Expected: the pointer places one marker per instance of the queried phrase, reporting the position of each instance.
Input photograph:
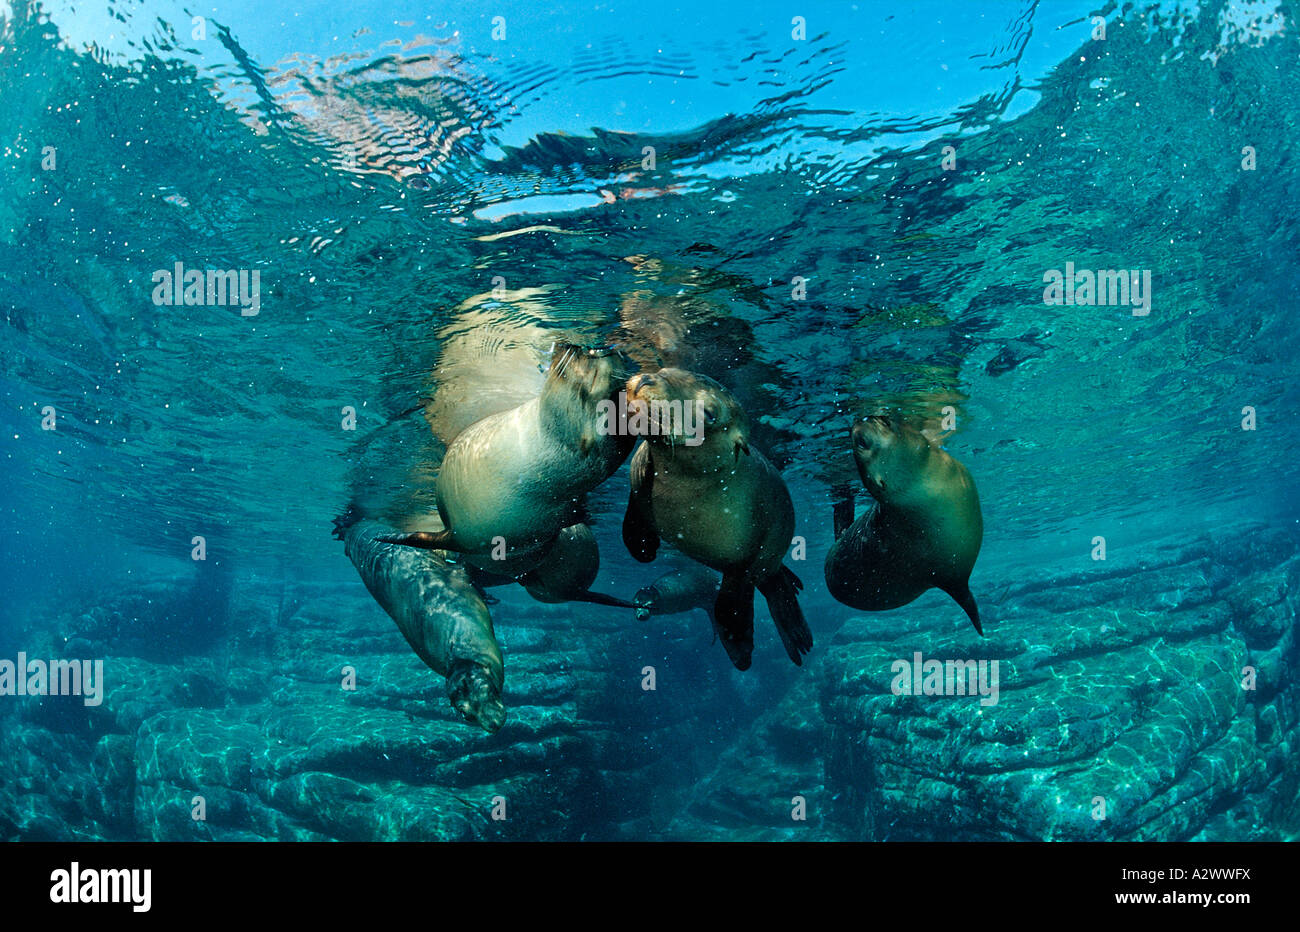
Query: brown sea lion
(699, 485)
(440, 613)
(511, 482)
(924, 529)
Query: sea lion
(440, 613)
(690, 587)
(565, 573)
(924, 529)
(718, 501)
(511, 482)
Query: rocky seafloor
(1120, 695)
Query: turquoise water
(413, 192)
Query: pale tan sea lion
(718, 501)
(511, 482)
(924, 529)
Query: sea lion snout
(644, 601)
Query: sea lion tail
(733, 619)
(781, 591)
(422, 539)
(961, 595)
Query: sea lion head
(691, 415)
(579, 379)
(475, 692)
(592, 373)
(892, 457)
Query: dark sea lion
(679, 591)
(718, 501)
(440, 613)
(511, 482)
(924, 529)
(565, 573)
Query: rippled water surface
(399, 177)
(428, 207)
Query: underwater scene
(606, 422)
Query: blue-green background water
(368, 159)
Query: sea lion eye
(710, 414)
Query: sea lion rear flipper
(599, 598)
(423, 539)
(781, 591)
(961, 595)
(733, 619)
(350, 516)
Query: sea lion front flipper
(733, 619)
(422, 539)
(842, 503)
(781, 591)
(640, 536)
(599, 598)
(961, 595)
(580, 513)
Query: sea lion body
(694, 586)
(719, 502)
(439, 612)
(510, 483)
(567, 571)
(923, 530)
